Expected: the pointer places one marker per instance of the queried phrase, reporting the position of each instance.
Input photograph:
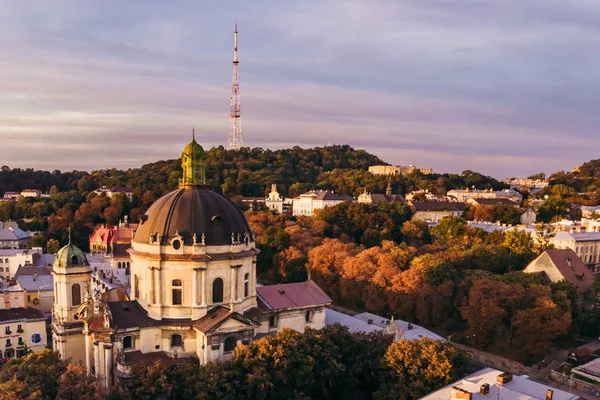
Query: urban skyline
(505, 89)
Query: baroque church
(194, 296)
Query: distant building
(397, 169)
(562, 264)
(590, 211)
(11, 196)
(306, 203)
(526, 183)
(14, 238)
(490, 383)
(467, 194)
(275, 202)
(585, 244)
(111, 191)
(388, 197)
(433, 211)
(528, 216)
(22, 329)
(12, 259)
(35, 193)
(498, 201)
(113, 242)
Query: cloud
(506, 88)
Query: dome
(71, 256)
(194, 150)
(193, 210)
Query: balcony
(20, 330)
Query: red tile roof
(292, 295)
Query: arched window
(177, 292)
(136, 284)
(75, 294)
(128, 342)
(176, 341)
(119, 265)
(74, 260)
(246, 285)
(217, 292)
(128, 264)
(230, 344)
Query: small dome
(190, 211)
(194, 150)
(71, 256)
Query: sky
(507, 88)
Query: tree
(76, 384)
(413, 368)
(520, 245)
(52, 246)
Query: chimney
(370, 321)
(504, 378)
(484, 389)
(549, 394)
(458, 393)
(410, 326)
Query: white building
(111, 191)
(35, 193)
(194, 295)
(490, 383)
(467, 194)
(434, 211)
(585, 244)
(21, 330)
(308, 202)
(38, 282)
(275, 202)
(12, 259)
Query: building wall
(435, 216)
(588, 251)
(12, 299)
(28, 329)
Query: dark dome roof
(190, 210)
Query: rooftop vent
(484, 389)
(459, 393)
(370, 321)
(504, 378)
(125, 307)
(410, 326)
(549, 394)
(281, 291)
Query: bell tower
(193, 163)
(72, 276)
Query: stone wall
(494, 361)
(574, 383)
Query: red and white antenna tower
(235, 120)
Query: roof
(411, 330)
(112, 234)
(33, 283)
(325, 195)
(217, 316)
(28, 270)
(567, 264)
(14, 252)
(71, 256)
(494, 202)
(11, 233)
(21, 313)
(383, 197)
(353, 324)
(193, 211)
(139, 358)
(519, 388)
(116, 189)
(292, 295)
(438, 205)
(578, 236)
(130, 314)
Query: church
(194, 296)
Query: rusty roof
(217, 316)
(292, 295)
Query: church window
(230, 344)
(176, 341)
(217, 292)
(176, 244)
(74, 260)
(177, 292)
(76, 294)
(246, 285)
(128, 342)
(136, 283)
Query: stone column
(97, 371)
(88, 352)
(158, 288)
(152, 287)
(253, 278)
(232, 296)
(195, 288)
(237, 283)
(108, 364)
(203, 287)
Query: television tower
(235, 121)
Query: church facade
(194, 294)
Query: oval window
(176, 244)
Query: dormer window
(74, 260)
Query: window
(119, 265)
(7, 330)
(217, 292)
(308, 317)
(176, 341)
(128, 342)
(8, 342)
(272, 322)
(177, 292)
(20, 343)
(246, 285)
(74, 260)
(9, 353)
(76, 294)
(230, 344)
(136, 283)
(19, 328)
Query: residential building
(491, 202)
(308, 202)
(35, 193)
(397, 169)
(556, 265)
(467, 194)
(112, 191)
(419, 195)
(22, 329)
(12, 295)
(14, 238)
(590, 212)
(490, 383)
(12, 259)
(39, 285)
(193, 288)
(528, 216)
(585, 244)
(433, 211)
(527, 184)
(11, 196)
(109, 245)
